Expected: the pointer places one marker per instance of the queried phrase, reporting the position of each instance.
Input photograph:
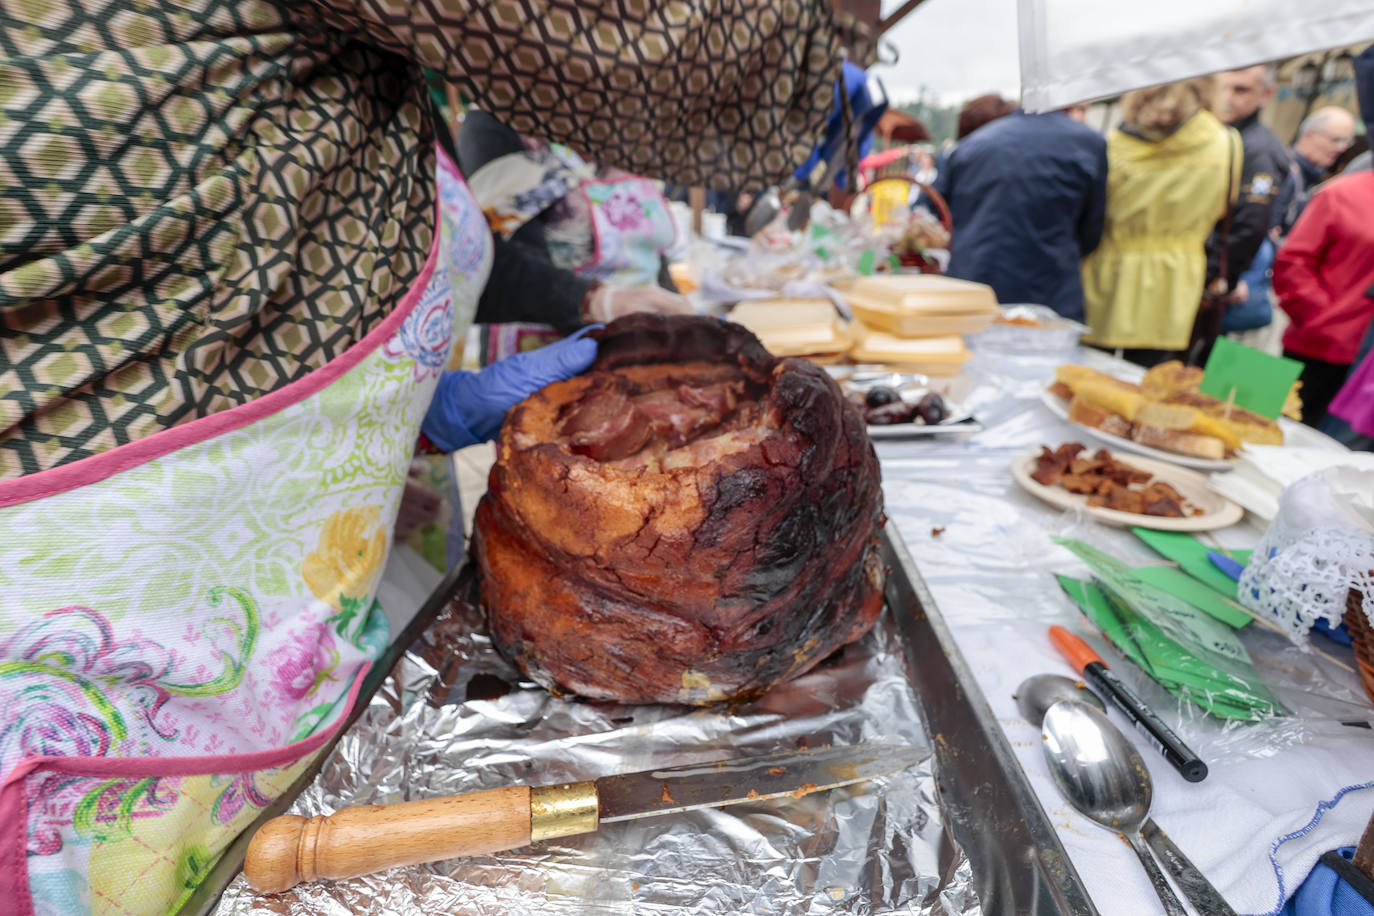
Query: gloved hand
(468, 407)
(604, 303)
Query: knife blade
(357, 841)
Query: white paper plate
(1060, 408)
(1217, 511)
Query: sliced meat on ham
(606, 426)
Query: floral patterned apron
(632, 227)
(186, 620)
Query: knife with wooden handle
(358, 841)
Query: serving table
(1275, 793)
(970, 597)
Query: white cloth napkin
(1263, 471)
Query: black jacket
(1262, 176)
(525, 284)
(1303, 179)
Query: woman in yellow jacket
(1167, 185)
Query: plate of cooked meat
(1144, 492)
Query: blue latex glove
(468, 407)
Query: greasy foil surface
(454, 717)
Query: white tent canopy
(1080, 50)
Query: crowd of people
(1189, 220)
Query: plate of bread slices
(1164, 417)
(1140, 492)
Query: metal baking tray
(1018, 863)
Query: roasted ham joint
(691, 520)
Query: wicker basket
(946, 220)
(1362, 637)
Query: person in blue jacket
(1028, 195)
(864, 110)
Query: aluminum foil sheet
(454, 717)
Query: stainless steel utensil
(1101, 775)
(1039, 692)
(763, 211)
(1195, 886)
(866, 380)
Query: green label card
(866, 261)
(1261, 382)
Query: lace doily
(1319, 546)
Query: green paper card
(1223, 694)
(1203, 597)
(1200, 633)
(1261, 381)
(1191, 555)
(866, 261)
(1093, 604)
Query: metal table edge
(1018, 862)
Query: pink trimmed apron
(186, 620)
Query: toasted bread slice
(1244, 425)
(1185, 419)
(1073, 376)
(1167, 378)
(1089, 414)
(1292, 407)
(1123, 401)
(1174, 440)
(1060, 390)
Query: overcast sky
(957, 48)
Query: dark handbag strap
(1224, 255)
(851, 137)
(1211, 311)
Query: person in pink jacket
(1350, 418)
(1322, 275)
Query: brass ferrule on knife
(564, 810)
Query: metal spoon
(1101, 775)
(1039, 692)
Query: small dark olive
(931, 409)
(881, 394)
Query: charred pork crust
(690, 521)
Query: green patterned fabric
(202, 201)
